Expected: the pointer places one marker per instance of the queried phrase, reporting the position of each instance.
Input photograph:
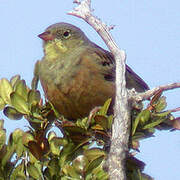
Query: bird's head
(62, 37)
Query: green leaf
(39, 167)
(18, 173)
(2, 138)
(102, 121)
(51, 135)
(12, 113)
(110, 121)
(54, 109)
(99, 173)
(138, 136)
(33, 97)
(8, 155)
(70, 172)
(17, 140)
(37, 120)
(94, 153)
(55, 144)
(19, 148)
(26, 138)
(33, 171)
(21, 89)
(80, 163)
(105, 107)
(65, 152)
(153, 124)
(5, 90)
(19, 103)
(2, 104)
(135, 124)
(82, 123)
(53, 167)
(94, 164)
(161, 104)
(14, 80)
(142, 118)
(162, 114)
(17, 134)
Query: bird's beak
(46, 36)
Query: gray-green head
(67, 34)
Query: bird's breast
(75, 88)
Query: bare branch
(175, 110)
(120, 128)
(84, 11)
(146, 95)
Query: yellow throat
(53, 48)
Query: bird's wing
(132, 77)
(106, 59)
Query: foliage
(81, 151)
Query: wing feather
(106, 59)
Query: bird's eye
(66, 34)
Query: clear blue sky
(149, 32)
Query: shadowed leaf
(14, 80)
(54, 167)
(12, 113)
(176, 123)
(35, 149)
(33, 97)
(102, 121)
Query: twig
(175, 110)
(146, 95)
(120, 127)
(84, 11)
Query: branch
(148, 94)
(120, 127)
(84, 11)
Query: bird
(76, 74)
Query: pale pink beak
(46, 36)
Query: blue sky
(147, 30)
